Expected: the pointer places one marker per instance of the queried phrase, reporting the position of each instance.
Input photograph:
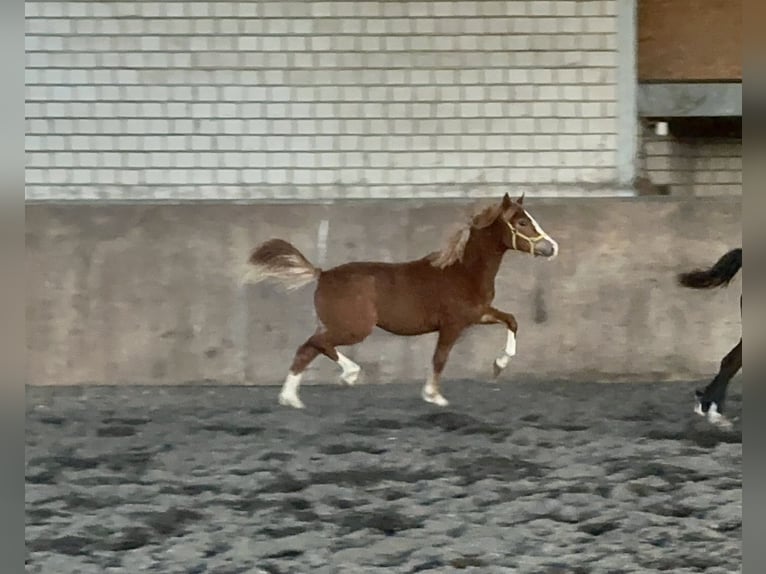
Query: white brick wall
(289, 99)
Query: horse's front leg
(432, 390)
(495, 316)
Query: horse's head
(521, 232)
(505, 225)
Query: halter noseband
(531, 240)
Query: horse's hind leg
(349, 369)
(348, 314)
(321, 342)
(711, 400)
(306, 353)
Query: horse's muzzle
(546, 248)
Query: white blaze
(540, 231)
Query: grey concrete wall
(149, 294)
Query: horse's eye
(523, 223)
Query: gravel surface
(513, 477)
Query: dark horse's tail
(277, 259)
(718, 275)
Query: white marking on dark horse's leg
(350, 369)
(717, 418)
(510, 350)
(288, 397)
(431, 392)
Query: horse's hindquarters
(345, 304)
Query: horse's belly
(406, 317)
(406, 300)
(406, 328)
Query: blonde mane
(454, 247)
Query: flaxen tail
(281, 261)
(718, 275)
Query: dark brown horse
(710, 401)
(445, 292)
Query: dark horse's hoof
(709, 410)
(496, 370)
(700, 407)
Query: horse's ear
(521, 199)
(507, 202)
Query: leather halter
(531, 240)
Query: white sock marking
(712, 415)
(510, 344)
(350, 369)
(289, 395)
(431, 395)
(717, 418)
(510, 351)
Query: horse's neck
(482, 260)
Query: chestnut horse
(710, 401)
(446, 292)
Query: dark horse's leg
(495, 316)
(447, 338)
(711, 400)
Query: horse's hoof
(440, 401)
(351, 377)
(716, 418)
(722, 423)
(435, 399)
(500, 364)
(291, 401)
